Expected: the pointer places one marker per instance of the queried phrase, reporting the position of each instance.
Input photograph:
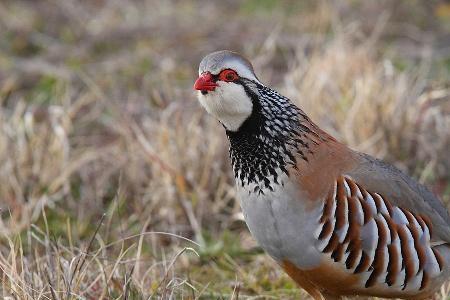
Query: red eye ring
(228, 75)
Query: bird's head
(225, 84)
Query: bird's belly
(282, 225)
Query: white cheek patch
(229, 103)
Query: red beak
(205, 83)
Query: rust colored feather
(407, 256)
(382, 234)
(364, 263)
(341, 198)
(420, 249)
(366, 210)
(327, 229)
(353, 187)
(428, 223)
(354, 227)
(391, 226)
(362, 190)
(378, 260)
(351, 260)
(393, 267)
(408, 215)
(377, 200)
(389, 205)
(328, 207)
(332, 244)
(425, 280)
(338, 253)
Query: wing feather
(367, 234)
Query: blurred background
(115, 184)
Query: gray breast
(281, 225)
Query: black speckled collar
(272, 138)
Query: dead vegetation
(114, 182)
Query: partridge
(339, 222)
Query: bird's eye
(228, 75)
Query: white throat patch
(229, 103)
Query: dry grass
(114, 182)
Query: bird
(339, 222)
